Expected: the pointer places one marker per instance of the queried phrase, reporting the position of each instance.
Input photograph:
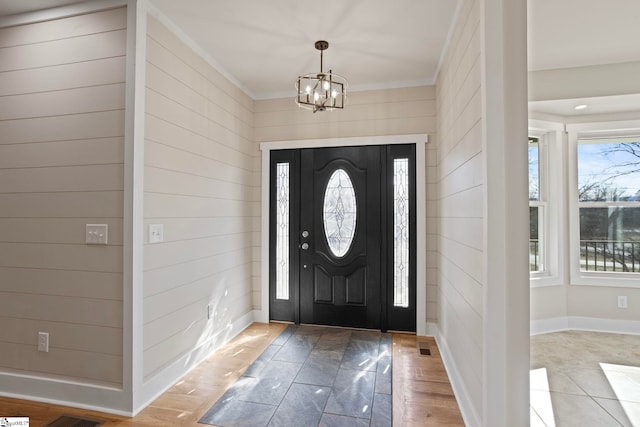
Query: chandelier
(321, 91)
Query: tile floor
(585, 379)
(312, 376)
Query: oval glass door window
(339, 213)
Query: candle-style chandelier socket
(321, 91)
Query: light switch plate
(156, 233)
(97, 234)
(43, 341)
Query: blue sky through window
(534, 174)
(609, 171)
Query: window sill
(542, 280)
(604, 279)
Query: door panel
(338, 286)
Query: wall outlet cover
(622, 301)
(156, 233)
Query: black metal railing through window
(610, 255)
(598, 255)
(534, 255)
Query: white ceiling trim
(447, 41)
(60, 12)
(166, 21)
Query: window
(282, 231)
(546, 197)
(605, 203)
(339, 213)
(536, 209)
(401, 225)
(609, 204)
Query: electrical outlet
(622, 301)
(43, 341)
(156, 233)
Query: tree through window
(609, 204)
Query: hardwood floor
(422, 395)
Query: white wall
(62, 89)
(460, 204)
(482, 213)
(200, 184)
(368, 113)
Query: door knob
(305, 246)
(305, 234)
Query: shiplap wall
(367, 113)
(370, 113)
(61, 167)
(460, 209)
(201, 183)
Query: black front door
(340, 241)
(342, 236)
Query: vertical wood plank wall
(61, 167)
(460, 209)
(368, 113)
(200, 182)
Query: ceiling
(595, 105)
(263, 45)
(575, 33)
(579, 33)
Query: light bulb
(334, 94)
(316, 96)
(307, 90)
(326, 86)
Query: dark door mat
(71, 421)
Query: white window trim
(582, 131)
(552, 188)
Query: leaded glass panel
(401, 232)
(339, 213)
(282, 231)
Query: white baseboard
(113, 400)
(544, 326)
(162, 380)
(585, 324)
(469, 415)
(605, 325)
(67, 393)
